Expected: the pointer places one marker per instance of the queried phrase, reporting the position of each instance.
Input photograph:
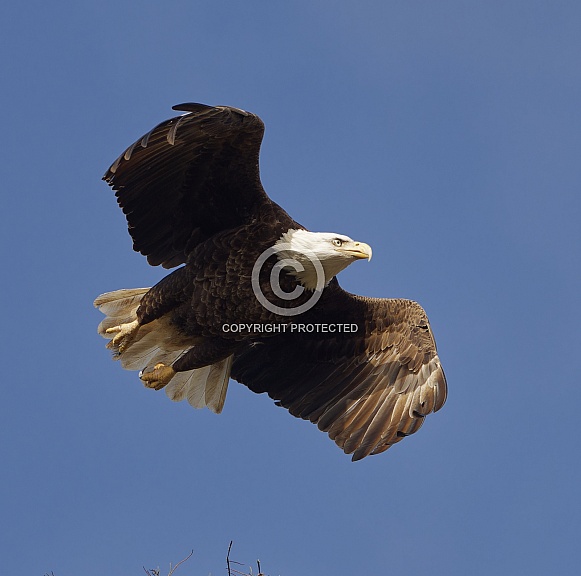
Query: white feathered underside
(159, 343)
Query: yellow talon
(159, 377)
(124, 335)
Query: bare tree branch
(172, 570)
(156, 571)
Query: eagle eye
(337, 242)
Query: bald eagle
(257, 299)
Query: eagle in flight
(256, 298)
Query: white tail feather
(119, 306)
(158, 342)
(217, 384)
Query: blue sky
(445, 134)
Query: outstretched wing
(367, 389)
(189, 178)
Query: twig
(155, 571)
(228, 558)
(172, 570)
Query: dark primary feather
(189, 178)
(368, 390)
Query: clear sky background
(445, 134)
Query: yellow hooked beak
(357, 250)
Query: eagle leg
(159, 377)
(209, 351)
(124, 335)
(206, 353)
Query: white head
(333, 251)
